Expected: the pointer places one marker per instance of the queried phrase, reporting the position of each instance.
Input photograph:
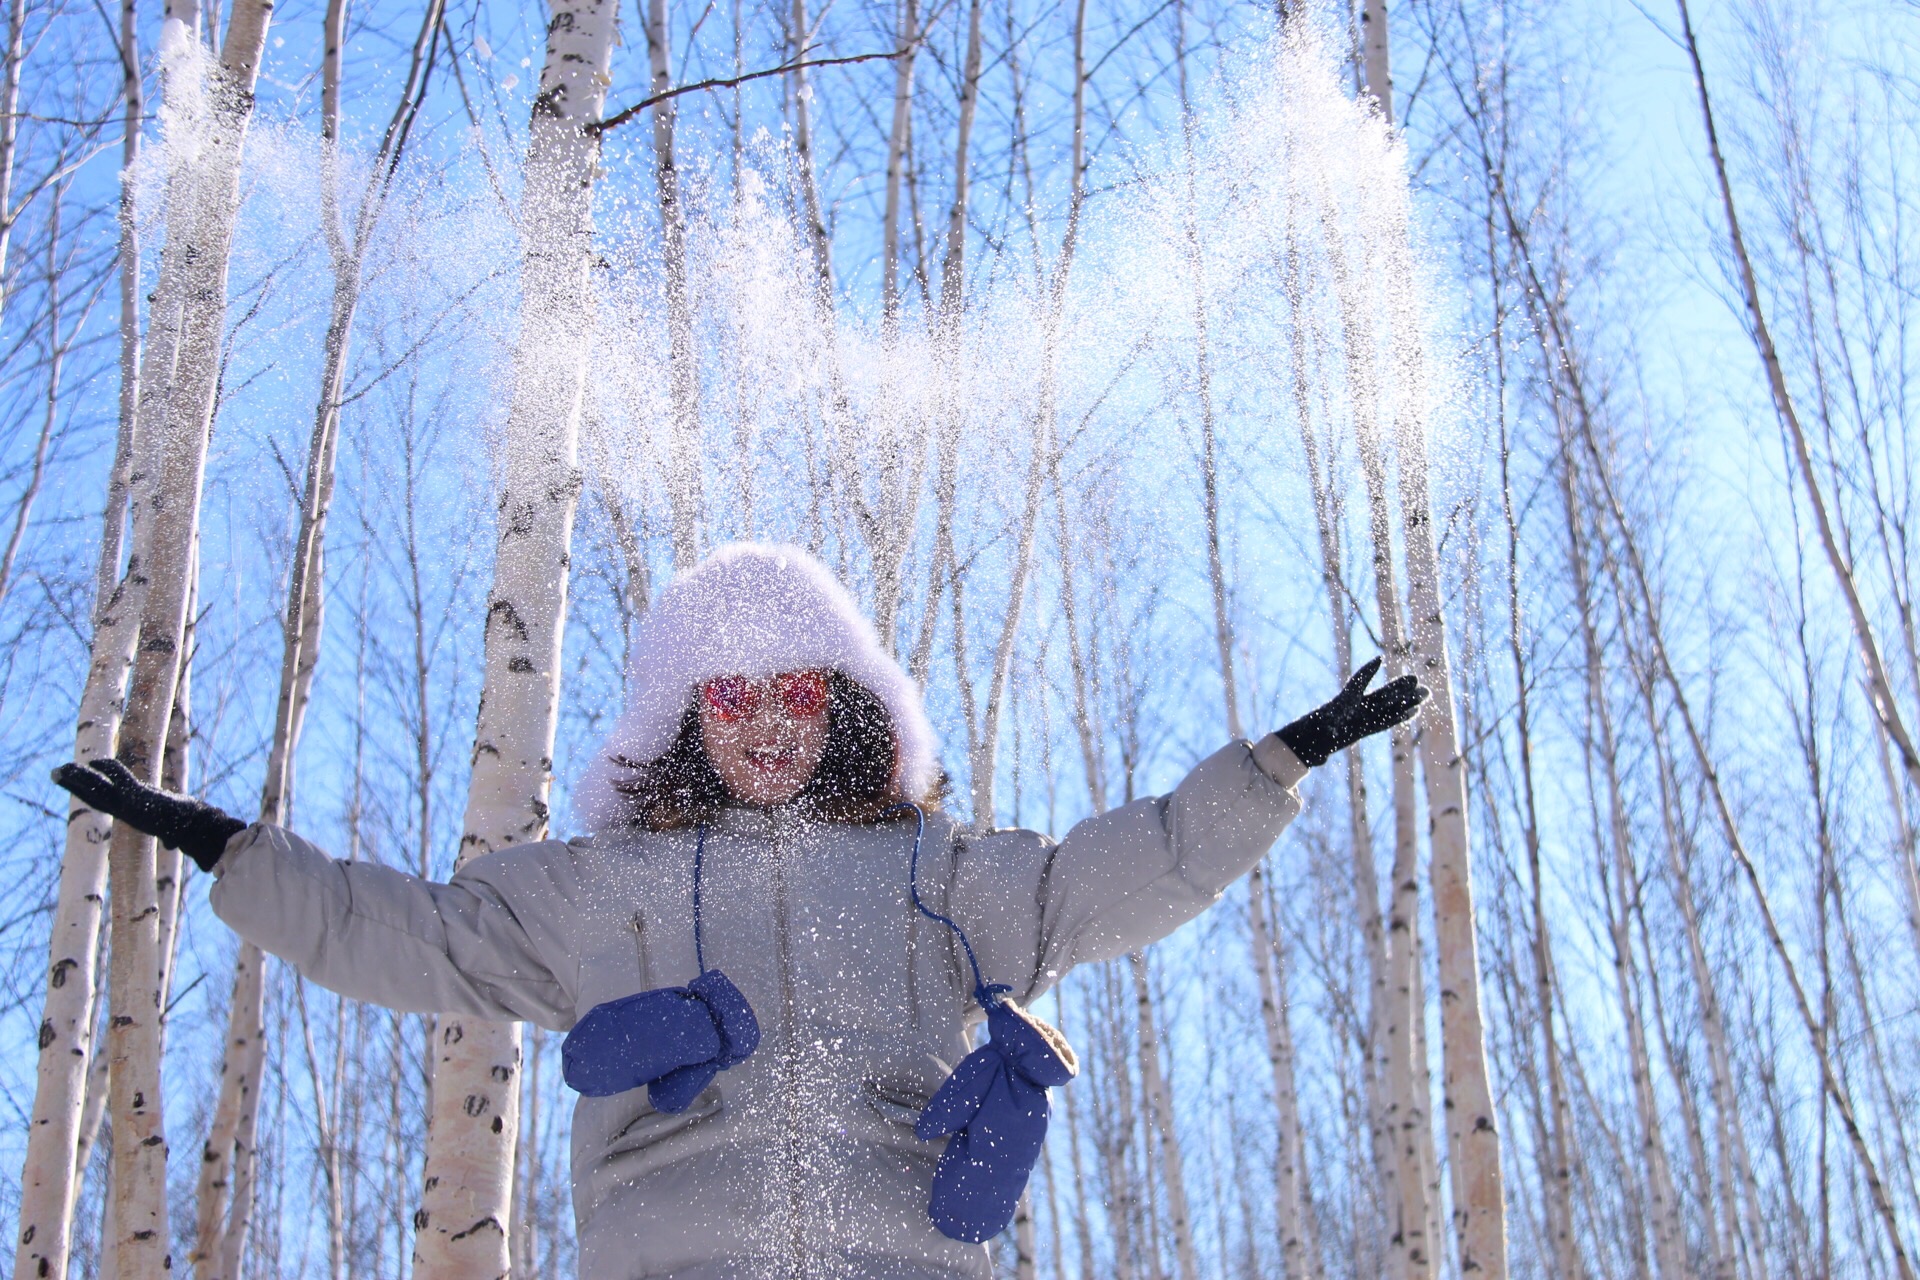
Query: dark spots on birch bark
(47, 1034)
(508, 616)
(488, 1223)
(521, 664)
(58, 977)
(477, 1105)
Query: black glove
(194, 827)
(1352, 715)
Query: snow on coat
(800, 1163)
(798, 616)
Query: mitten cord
(988, 994)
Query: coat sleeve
(1125, 878)
(495, 942)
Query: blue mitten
(674, 1040)
(995, 1106)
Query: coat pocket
(651, 1127)
(894, 1102)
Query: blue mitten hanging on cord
(994, 1105)
(674, 1040)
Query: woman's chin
(766, 792)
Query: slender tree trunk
(907, 34)
(1669, 1235)
(1366, 882)
(466, 1208)
(683, 466)
(800, 36)
(225, 1199)
(113, 521)
(1159, 1091)
(138, 1193)
(1297, 1252)
(952, 305)
(984, 743)
(1473, 1138)
(10, 76)
(59, 1135)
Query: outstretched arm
(493, 943)
(1123, 879)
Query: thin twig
(729, 82)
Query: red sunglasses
(802, 693)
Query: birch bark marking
(138, 1246)
(466, 1206)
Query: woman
(768, 810)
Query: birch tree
(145, 614)
(466, 1208)
(225, 1194)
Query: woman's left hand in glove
(1352, 715)
(192, 826)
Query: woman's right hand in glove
(192, 826)
(1352, 715)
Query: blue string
(988, 994)
(699, 851)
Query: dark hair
(854, 781)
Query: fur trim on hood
(753, 609)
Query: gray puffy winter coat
(800, 1163)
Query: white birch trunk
(1159, 1092)
(800, 36)
(906, 32)
(983, 746)
(1669, 1232)
(466, 1207)
(202, 208)
(113, 522)
(58, 1134)
(1479, 1196)
(952, 305)
(683, 480)
(1413, 1204)
(1473, 1139)
(224, 1205)
(10, 76)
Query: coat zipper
(789, 1051)
(639, 923)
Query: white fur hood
(752, 609)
